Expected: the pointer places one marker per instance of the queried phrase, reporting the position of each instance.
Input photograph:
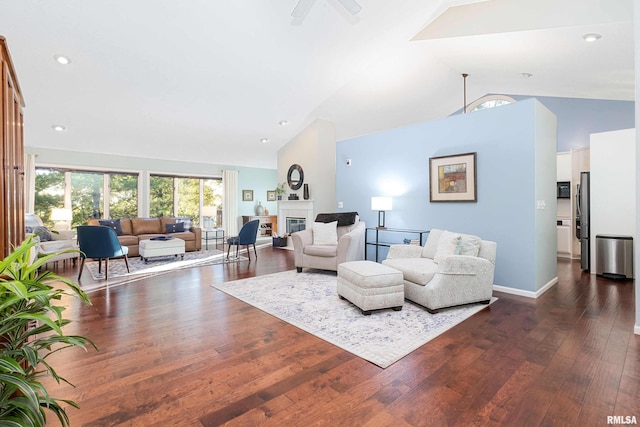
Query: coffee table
(158, 248)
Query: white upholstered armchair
(331, 240)
(451, 269)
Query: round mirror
(295, 177)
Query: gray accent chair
(350, 245)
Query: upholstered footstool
(156, 248)
(370, 286)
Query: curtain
(230, 203)
(29, 182)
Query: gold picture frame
(247, 195)
(453, 178)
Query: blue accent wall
(507, 140)
(578, 118)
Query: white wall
(613, 186)
(636, 16)
(314, 149)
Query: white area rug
(310, 302)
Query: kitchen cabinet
(563, 164)
(564, 240)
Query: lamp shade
(60, 214)
(208, 211)
(381, 203)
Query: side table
(216, 235)
(378, 242)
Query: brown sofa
(136, 229)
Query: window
(490, 101)
(184, 196)
(89, 194)
(123, 195)
(49, 193)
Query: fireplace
(294, 215)
(295, 224)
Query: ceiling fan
(303, 7)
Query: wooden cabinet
(268, 224)
(11, 156)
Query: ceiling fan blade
(301, 9)
(352, 6)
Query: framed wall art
(247, 195)
(271, 196)
(453, 178)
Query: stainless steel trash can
(614, 256)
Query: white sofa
(342, 241)
(56, 241)
(451, 269)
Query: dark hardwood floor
(176, 352)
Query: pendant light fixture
(464, 90)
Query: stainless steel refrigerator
(583, 220)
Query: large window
(89, 194)
(50, 190)
(184, 196)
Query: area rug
(138, 269)
(310, 302)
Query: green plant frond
(16, 287)
(25, 387)
(21, 253)
(9, 365)
(31, 329)
(45, 259)
(41, 318)
(23, 413)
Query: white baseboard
(528, 294)
(636, 330)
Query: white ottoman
(155, 248)
(370, 286)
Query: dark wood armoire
(11, 156)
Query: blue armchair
(100, 242)
(247, 236)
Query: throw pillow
(469, 245)
(188, 223)
(325, 233)
(41, 231)
(447, 245)
(112, 223)
(176, 227)
(343, 218)
(431, 245)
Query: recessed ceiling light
(61, 59)
(59, 128)
(264, 140)
(526, 75)
(591, 37)
(283, 122)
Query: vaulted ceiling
(206, 80)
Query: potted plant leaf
(31, 330)
(280, 190)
